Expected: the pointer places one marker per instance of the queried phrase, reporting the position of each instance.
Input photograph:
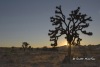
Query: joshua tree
(76, 22)
(25, 45)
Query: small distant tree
(30, 48)
(25, 45)
(76, 22)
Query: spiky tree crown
(77, 22)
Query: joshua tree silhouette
(77, 22)
(25, 45)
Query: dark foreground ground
(87, 57)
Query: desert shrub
(45, 48)
(54, 49)
(30, 48)
(12, 49)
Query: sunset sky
(29, 21)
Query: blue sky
(29, 21)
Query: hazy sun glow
(65, 43)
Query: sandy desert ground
(40, 58)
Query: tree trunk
(67, 58)
(69, 52)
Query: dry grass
(42, 59)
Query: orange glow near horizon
(62, 43)
(65, 43)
